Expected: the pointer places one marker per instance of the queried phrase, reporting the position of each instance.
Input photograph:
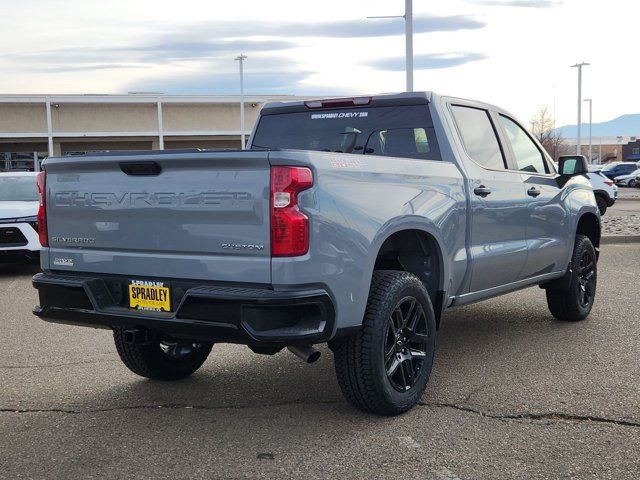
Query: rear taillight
(608, 182)
(289, 226)
(42, 210)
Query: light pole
(590, 125)
(408, 34)
(241, 58)
(579, 139)
(600, 152)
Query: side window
(399, 142)
(478, 136)
(528, 157)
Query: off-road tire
(602, 204)
(150, 361)
(566, 304)
(360, 358)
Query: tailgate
(198, 215)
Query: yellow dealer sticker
(145, 295)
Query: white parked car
(629, 180)
(605, 191)
(19, 202)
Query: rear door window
(479, 136)
(396, 131)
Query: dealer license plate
(145, 295)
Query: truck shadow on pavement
(480, 345)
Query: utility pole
(408, 34)
(590, 125)
(554, 106)
(579, 139)
(600, 152)
(241, 58)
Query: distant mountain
(627, 125)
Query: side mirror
(572, 165)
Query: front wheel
(161, 360)
(632, 183)
(574, 303)
(384, 368)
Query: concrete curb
(619, 239)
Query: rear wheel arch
(418, 252)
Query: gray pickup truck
(355, 222)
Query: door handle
(482, 191)
(533, 192)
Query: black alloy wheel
(406, 344)
(571, 300)
(586, 278)
(384, 367)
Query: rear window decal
(319, 116)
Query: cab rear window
(395, 131)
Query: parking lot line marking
(443, 473)
(408, 442)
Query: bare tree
(543, 127)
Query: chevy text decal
(153, 199)
(320, 116)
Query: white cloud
(519, 60)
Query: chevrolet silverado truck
(354, 222)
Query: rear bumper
(206, 312)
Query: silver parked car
(628, 180)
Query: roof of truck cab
(383, 100)
(386, 99)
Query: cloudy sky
(514, 53)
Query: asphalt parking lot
(514, 394)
